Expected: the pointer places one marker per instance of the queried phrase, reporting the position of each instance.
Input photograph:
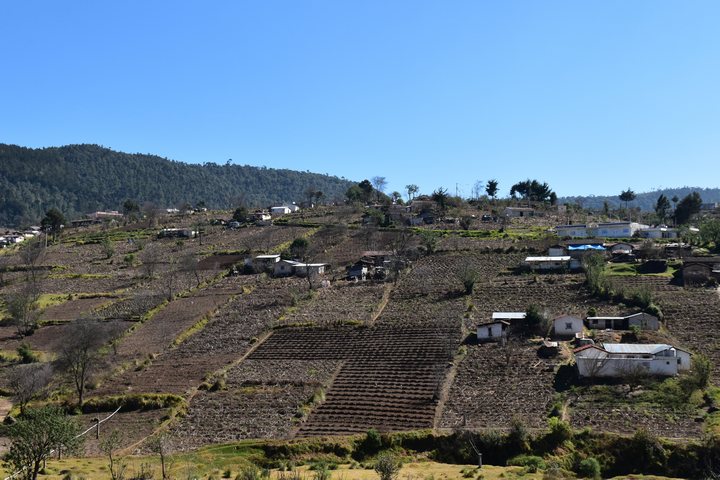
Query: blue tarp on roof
(585, 247)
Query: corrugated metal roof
(606, 318)
(548, 259)
(508, 315)
(649, 348)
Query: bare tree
(150, 258)
(160, 445)
(79, 356)
(108, 445)
(28, 382)
(23, 309)
(31, 254)
(190, 265)
(379, 183)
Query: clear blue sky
(589, 96)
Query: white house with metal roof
(623, 359)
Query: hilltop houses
(641, 320)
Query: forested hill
(646, 201)
(79, 179)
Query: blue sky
(590, 96)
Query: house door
(608, 324)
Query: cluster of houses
(373, 264)
(602, 360)
(11, 238)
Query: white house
(661, 231)
(293, 208)
(493, 331)
(305, 269)
(279, 211)
(284, 268)
(548, 263)
(567, 325)
(622, 359)
(606, 230)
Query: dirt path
(445, 389)
(383, 303)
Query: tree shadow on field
(565, 378)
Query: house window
(490, 332)
(679, 361)
(568, 325)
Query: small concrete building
(642, 320)
(493, 331)
(517, 212)
(284, 268)
(567, 325)
(279, 211)
(625, 359)
(265, 263)
(547, 264)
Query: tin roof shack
(495, 331)
(358, 271)
(617, 360)
(700, 270)
(567, 326)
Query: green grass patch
(133, 402)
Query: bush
(589, 468)
(518, 437)
(560, 432)
(532, 463)
(388, 466)
(26, 354)
(371, 444)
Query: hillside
(646, 201)
(200, 353)
(82, 178)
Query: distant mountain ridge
(646, 201)
(79, 179)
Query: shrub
(26, 354)
(589, 468)
(532, 463)
(518, 437)
(388, 466)
(371, 443)
(560, 432)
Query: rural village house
(494, 331)
(567, 325)
(622, 359)
(642, 320)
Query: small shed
(492, 331)
(557, 251)
(517, 212)
(644, 321)
(263, 263)
(312, 269)
(284, 268)
(567, 325)
(278, 211)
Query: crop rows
(494, 384)
(225, 338)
